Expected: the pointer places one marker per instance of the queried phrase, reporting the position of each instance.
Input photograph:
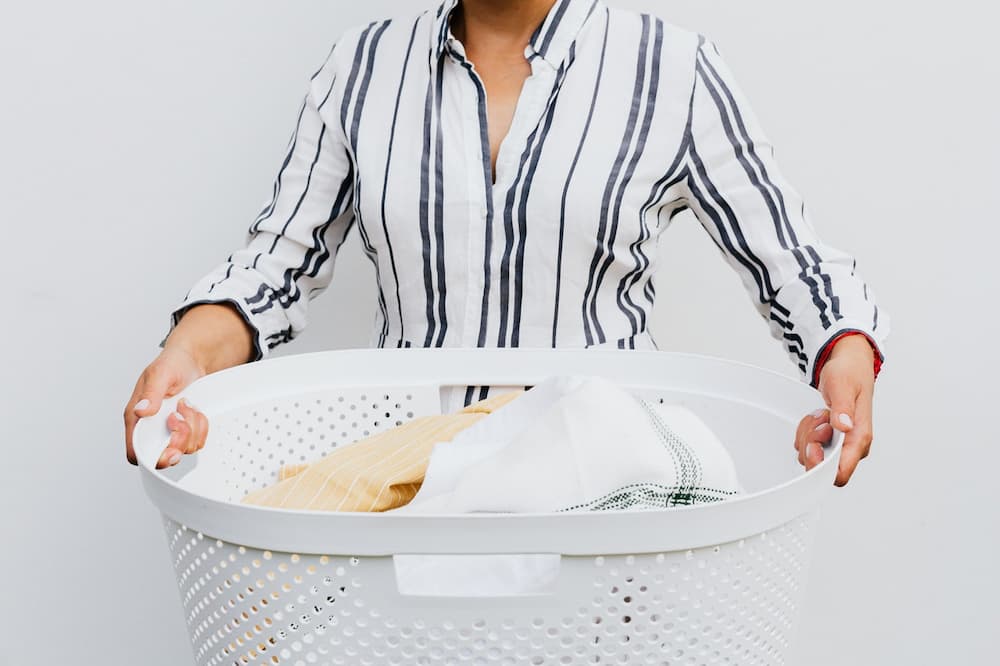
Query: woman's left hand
(847, 382)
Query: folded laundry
(377, 473)
(577, 444)
(568, 444)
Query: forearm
(289, 255)
(215, 335)
(808, 291)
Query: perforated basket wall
(731, 603)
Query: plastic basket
(709, 584)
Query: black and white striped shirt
(625, 121)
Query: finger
(808, 423)
(864, 426)
(170, 456)
(190, 416)
(857, 442)
(805, 426)
(175, 420)
(811, 450)
(820, 416)
(176, 445)
(800, 432)
(131, 418)
(198, 423)
(806, 432)
(156, 386)
(814, 454)
(179, 437)
(149, 392)
(849, 459)
(800, 448)
(822, 433)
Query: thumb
(841, 397)
(156, 386)
(146, 400)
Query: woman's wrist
(853, 343)
(214, 335)
(849, 343)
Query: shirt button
(482, 212)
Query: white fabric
(568, 444)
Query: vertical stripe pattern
(625, 122)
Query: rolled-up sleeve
(291, 246)
(808, 292)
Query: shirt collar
(551, 40)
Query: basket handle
(151, 434)
(478, 575)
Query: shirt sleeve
(291, 246)
(809, 292)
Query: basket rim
(596, 533)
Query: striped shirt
(625, 121)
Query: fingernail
(820, 426)
(846, 420)
(810, 451)
(178, 416)
(818, 413)
(142, 404)
(174, 459)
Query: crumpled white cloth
(572, 444)
(568, 444)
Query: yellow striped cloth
(377, 473)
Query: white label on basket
(477, 575)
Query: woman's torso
(561, 250)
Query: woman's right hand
(208, 337)
(173, 370)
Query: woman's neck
(503, 26)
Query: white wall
(139, 139)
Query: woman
(510, 165)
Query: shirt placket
(527, 115)
(477, 211)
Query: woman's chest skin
(503, 79)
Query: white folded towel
(577, 444)
(568, 444)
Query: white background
(138, 140)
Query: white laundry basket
(710, 584)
